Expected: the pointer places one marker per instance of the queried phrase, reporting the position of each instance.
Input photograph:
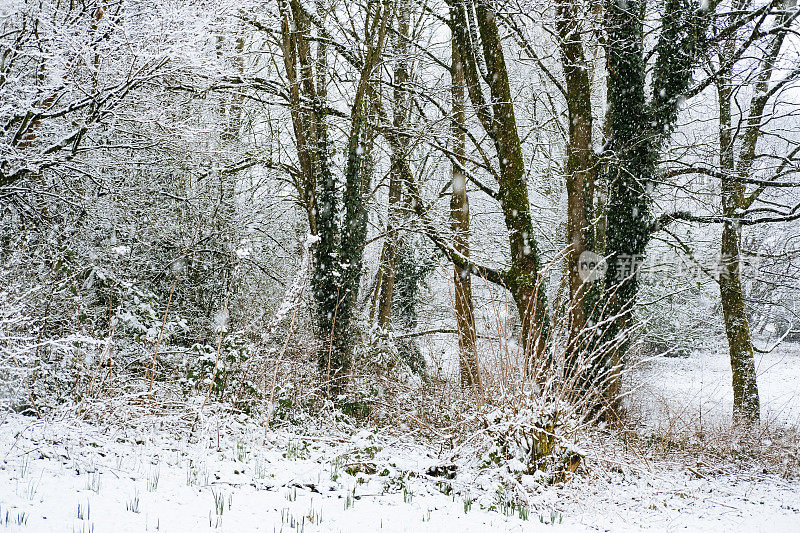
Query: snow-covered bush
(377, 349)
(533, 436)
(203, 364)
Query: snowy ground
(73, 476)
(153, 473)
(697, 389)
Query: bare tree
(740, 133)
(459, 220)
(480, 49)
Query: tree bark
(579, 173)
(637, 129)
(631, 167)
(746, 402)
(399, 167)
(746, 406)
(459, 221)
(524, 278)
(339, 250)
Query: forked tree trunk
(459, 220)
(746, 407)
(638, 129)
(339, 248)
(746, 403)
(524, 278)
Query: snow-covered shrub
(790, 461)
(38, 375)
(284, 405)
(357, 404)
(377, 349)
(533, 436)
(202, 365)
(383, 378)
(380, 351)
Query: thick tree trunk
(389, 255)
(357, 175)
(746, 405)
(637, 129)
(459, 220)
(307, 126)
(735, 202)
(316, 188)
(524, 278)
(579, 173)
(632, 167)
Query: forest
(415, 265)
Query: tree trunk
(399, 166)
(339, 250)
(637, 129)
(579, 174)
(633, 166)
(523, 279)
(459, 220)
(746, 405)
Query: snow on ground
(142, 472)
(67, 475)
(74, 476)
(698, 388)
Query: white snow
(699, 388)
(66, 474)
